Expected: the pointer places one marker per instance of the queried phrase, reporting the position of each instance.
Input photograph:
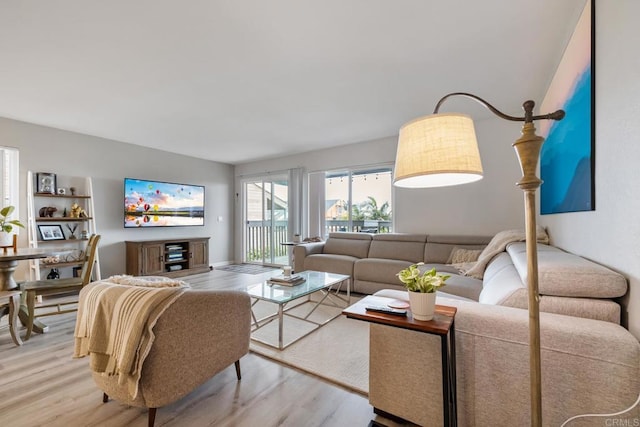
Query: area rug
(337, 352)
(246, 268)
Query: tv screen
(162, 204)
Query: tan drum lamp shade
(440, 150)
(437, 150)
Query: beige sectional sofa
(568, 284)
(590, 364)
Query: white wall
(44, 149)
(611, 233)
(484, 207)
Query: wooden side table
(442, 325)
(10, 304)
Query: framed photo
(46, 183)
(51, 232)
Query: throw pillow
(460, 255)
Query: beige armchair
(199, 335)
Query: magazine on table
(281, 279)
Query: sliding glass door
(266, 218)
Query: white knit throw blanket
(497, 245)
(114, 325)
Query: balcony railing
(262, 236)
(365, 226)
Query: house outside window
(358, 200)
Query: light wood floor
(41, 385)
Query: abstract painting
(568, 155)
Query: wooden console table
(442, 325)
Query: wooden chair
(58, 286)
(10, 305)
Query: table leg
(454, 384)
(446, 409)
(280, 320)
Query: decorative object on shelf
(53, 274)
(73, 190)
(46, 183)
(51, 260)
(77, 211)
(422, 287)
(84, 234)
(51, 232)
(7, 238)
(72, 231)
(62, 191)
(74, 255)
(47, 211)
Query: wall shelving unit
(75, 230)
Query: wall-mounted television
(162, 204)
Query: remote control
(386, 310)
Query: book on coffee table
(281, 279)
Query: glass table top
(281, 294)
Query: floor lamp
(441, 149)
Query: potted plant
(422, 287)
(6, 226)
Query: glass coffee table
(325, 285)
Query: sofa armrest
(588, 366)
(301, 252)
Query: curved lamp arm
(527, 106)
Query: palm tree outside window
(358, 200)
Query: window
(358, 200)
(9, 172)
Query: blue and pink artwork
(567, 158)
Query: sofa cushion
(462, 286)
(438, 248)
(407, 247)
(564, 274)
(330, 263)
(351, 244)
(379, 270)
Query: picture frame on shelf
(51, 232)
(46, 183)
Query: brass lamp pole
(441, 149)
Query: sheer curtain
(316, 204)
(296, 202)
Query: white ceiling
(241, 80)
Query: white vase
(423, 305)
